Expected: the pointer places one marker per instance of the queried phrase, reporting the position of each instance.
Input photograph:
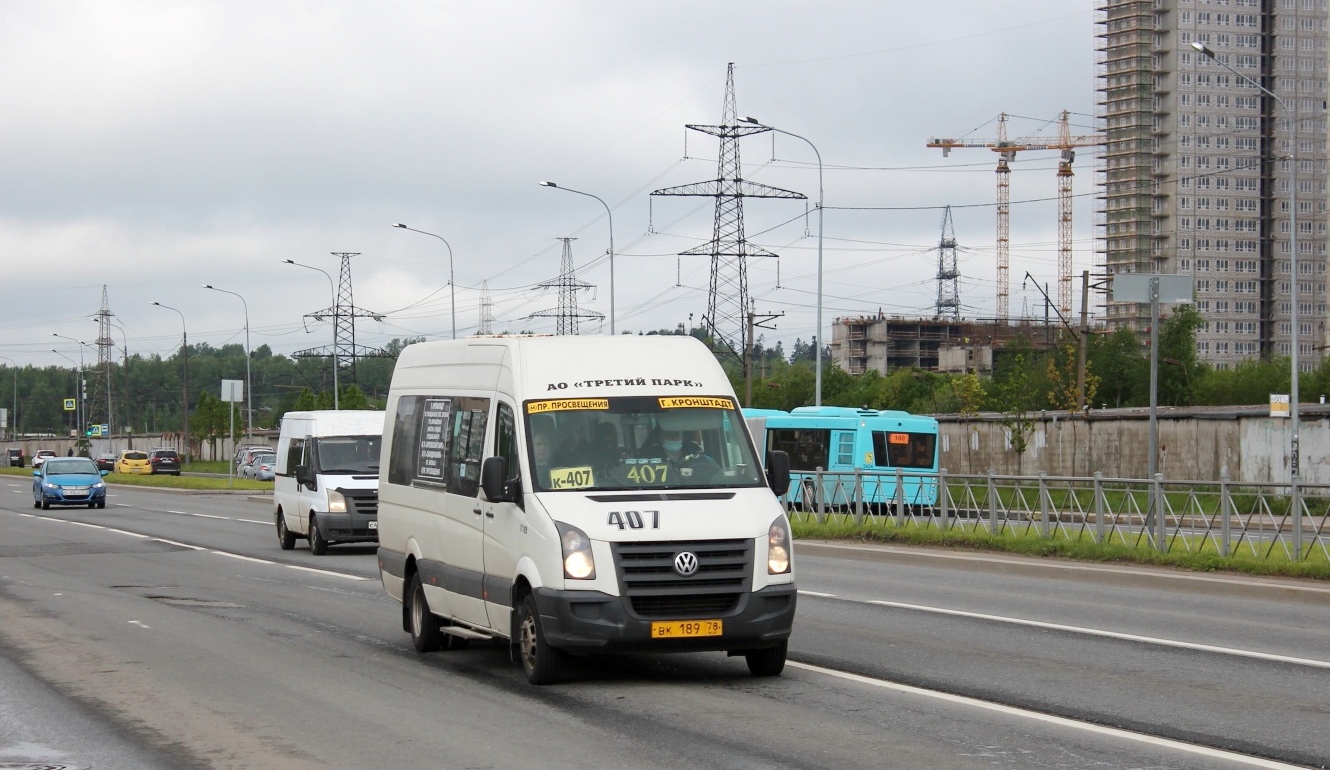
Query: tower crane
(1007, 150)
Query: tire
(101, 504)
(318, 545)
(46, 506)
(92, 505)
(36, 503)
(285, 538)
(424, 627)
(767, 662)
(540, 662)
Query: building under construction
(1200, 159)
(885, 343)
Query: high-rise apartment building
(1198, 169)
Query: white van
(326, 487)
(581, 494)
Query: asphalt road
(173, 632)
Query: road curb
(1114, 574)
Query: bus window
(808, 448)
(904, 450)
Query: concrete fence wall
(1193, 445)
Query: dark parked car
(15, 457)
(106, 462)
(165, 461)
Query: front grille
(684, 604)
(362, 501)
(647, 576)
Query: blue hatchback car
(68, 481)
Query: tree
(1016, 400)
(1179, 371)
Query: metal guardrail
(1260, 521)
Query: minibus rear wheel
(425, 633)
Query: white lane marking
(182, 513)
(206, 516)
(182, 545)
(140, 625)
(29, 516)
(253, 521)
(126, 532)
(327, 572)
(1073, 567)
(1112, 732)
(124, 505)
(817, 593)
(242, 558)
(1110, 634)
(83, 524)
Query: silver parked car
(260, 466)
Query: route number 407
(634, 519)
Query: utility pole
(748, 349)
(1083, 342)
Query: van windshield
(348, 454)
(639, 442)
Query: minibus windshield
(348, 454)
(639, 442)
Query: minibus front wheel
(540, 661)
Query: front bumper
(591, 620)
(60, 497)
(351, 527)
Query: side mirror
(304, 476)
(37, 472)
(494, 480)
(103, 472)
(778, 472)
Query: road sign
(70, 405)
(1279, 405)
(94, 430)
(233, 390)
(106, 429)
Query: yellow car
(132, 461)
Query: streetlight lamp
(184, 348)
(611, 218)
(13, 415)
(332, 292)
(78, 388)
(80, 397)
(249, 384)
(817, 353)
(1293, 260)
(452, 285)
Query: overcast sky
(154, 147)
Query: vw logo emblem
(685, 563)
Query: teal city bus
(828, 444)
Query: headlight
(336, 502)
(778, 547)
(578, 563)
(98, 485)
(51, 485)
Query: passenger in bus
(605, 444)
(542, 451)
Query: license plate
(76, 490)
(374, 525)
(685, 629)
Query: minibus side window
(505, 439)
(467, 446)
(295, 455)
(406, 425)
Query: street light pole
(452, 284)
(1294, 470)
(818, 341)
(333, 293)
(78, 389)
(611, 218)
(13, 416)
(184, 348)
(249, 384)
(79, 406)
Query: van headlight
(778, 547)
(336, 502)
(578, 563)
